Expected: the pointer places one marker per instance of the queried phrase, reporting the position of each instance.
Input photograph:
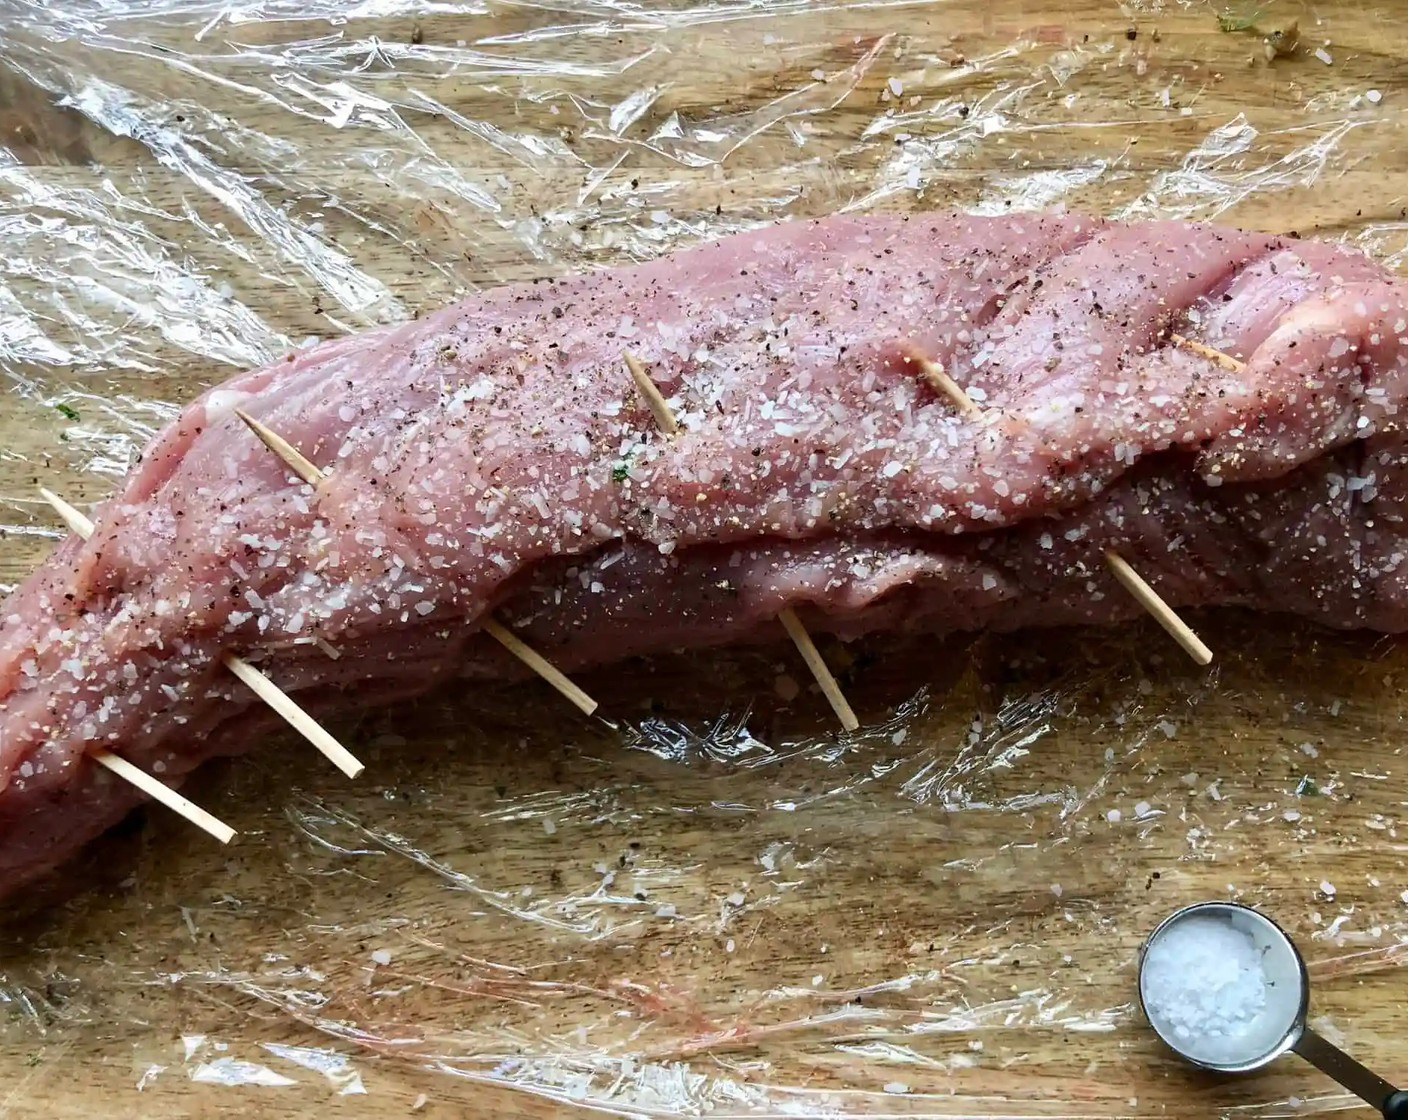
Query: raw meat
(495, 457)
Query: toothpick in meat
(817, 664)
(1226, 361)
(1132, 582)
(161, 792)
(292, 457)
(659, 407)
(794, 626)
(312, 474)
(261, 685)
(135, 775)
(937, 377)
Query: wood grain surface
(719, 906)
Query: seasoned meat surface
(495, 457)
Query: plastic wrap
(719, 904)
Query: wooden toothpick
(161, 792)
(539, 664)
(938, 378)
(261, 685)
(313, 475)
(659, 407)
(293, 715)
(665, 419)
(292, 457)
(817, 664)
(1147, 597)
(77, 523)
(1226, 361)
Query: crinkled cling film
(718, 903)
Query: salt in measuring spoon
(1274, 989)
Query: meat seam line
(937, 377)
(135, 775)
(665, 418)
(314, 475)
(258, 683)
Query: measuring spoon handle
(1362, 1082)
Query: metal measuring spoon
(1280, 1026)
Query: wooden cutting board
(721, 906)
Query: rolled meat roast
(495, 459)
